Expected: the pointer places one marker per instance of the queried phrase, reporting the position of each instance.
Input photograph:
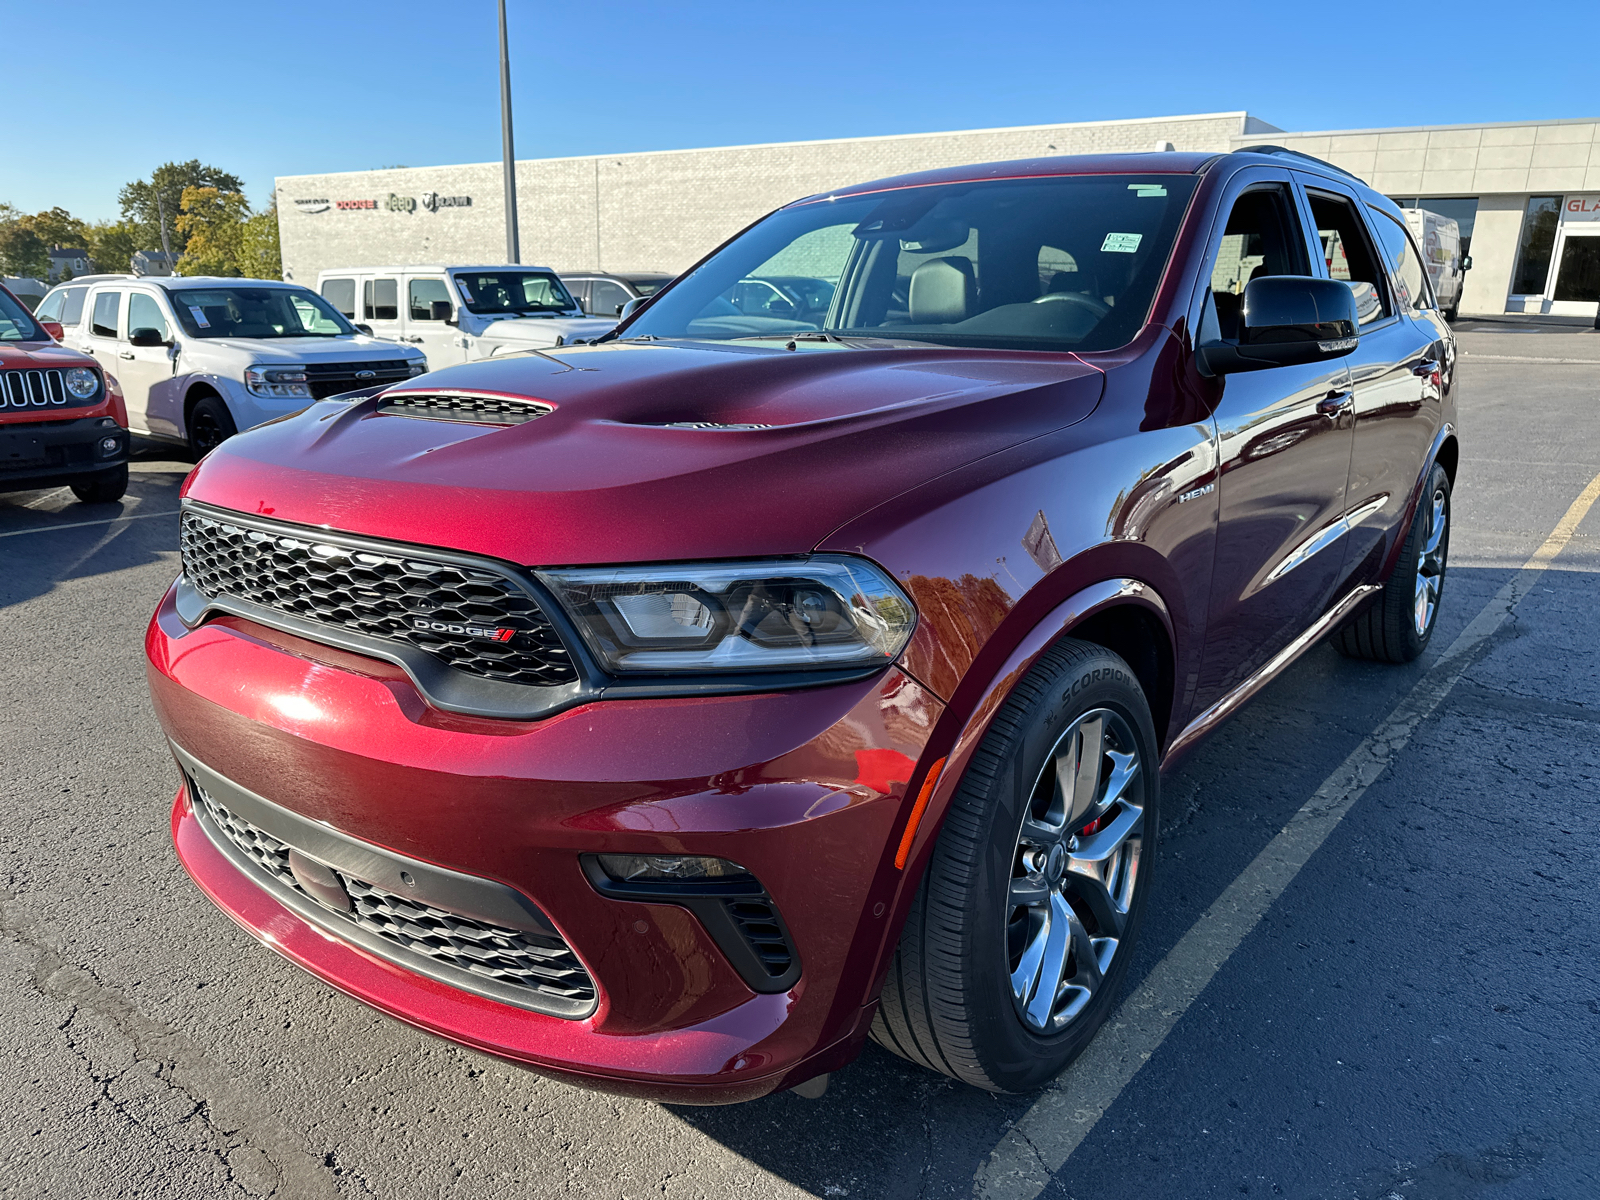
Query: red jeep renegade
(798, 665)
(61, 421)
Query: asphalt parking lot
(1415, 1016)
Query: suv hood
(542, 331)
(41, 354)
(605, 477)
(303, 349)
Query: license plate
(20, 449)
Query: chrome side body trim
(1327, 536)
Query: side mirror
(53, 329)
(1466, 263)
(442, 310)
(360, 328)
(146, 337)
(1286, 320)
(632, 306)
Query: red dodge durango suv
(62, 423)
(673, 713)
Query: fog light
(109, 446)
(625, 868)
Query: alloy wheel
(1430, 564)
(1074, 871)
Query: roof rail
(1284, 150)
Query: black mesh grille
(480, 410)
(507, 956)
(477, 621)
(329, 379)
(759, 925)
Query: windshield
(491, 292)
(247, 312)
(16, 324)
(1063, 263)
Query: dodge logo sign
(502, 634)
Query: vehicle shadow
(888, 1129)
(47, 539)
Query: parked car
(1440, 241)
(676, 718)
(459, 314)
(200, 358)
(62, 421)
(603, 294)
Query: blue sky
(296, 86)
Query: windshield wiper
(800, 335)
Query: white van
(459, 314)
(200, 359)
(1439, 238)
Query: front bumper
(804, 789)
(40, 454)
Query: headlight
(82, 382)
(823, 612)
(277, 381)
(418, 366)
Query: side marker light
(910, 835)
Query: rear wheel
(104, 487)
(210, 424)
(1398, 627)
(1022, 929)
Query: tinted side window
(341, 293)
(50, 307)
(380, 299)
(1405, 267)
(1348, 255)
(106, 305)
(72, 309)
(606, 297)
(145, 313)
(422, 293)
(579, 288)
(1262, 237)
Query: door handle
(1426, 367)
(1335, 404)
(125, 354)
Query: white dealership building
(1526, 195)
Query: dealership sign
(432, 201)
(1581, 208)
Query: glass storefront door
(1576, 290)
(1558, 257)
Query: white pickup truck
(460, 314)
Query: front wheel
(1022, 929)
(103, 488)
(210, 424)
(1398, 627)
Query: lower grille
(758, 922)
(515, 958)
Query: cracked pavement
(1417, 1017)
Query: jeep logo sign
(403, 204)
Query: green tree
(58, 227)
(260, 256)
(211, 223)
(112, 244)
(167, 183)
(21, 251)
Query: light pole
(513, 251)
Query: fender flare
(959, 734)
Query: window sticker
(1141, 190)
(461, 285)
(199, 317)
(1121, 243)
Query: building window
(1535, 246)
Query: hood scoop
(475, 410)
(708, 425)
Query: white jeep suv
(200, 358)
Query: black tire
(1393, 629)
(210, 424)
(947, 1003)
(104, 487)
